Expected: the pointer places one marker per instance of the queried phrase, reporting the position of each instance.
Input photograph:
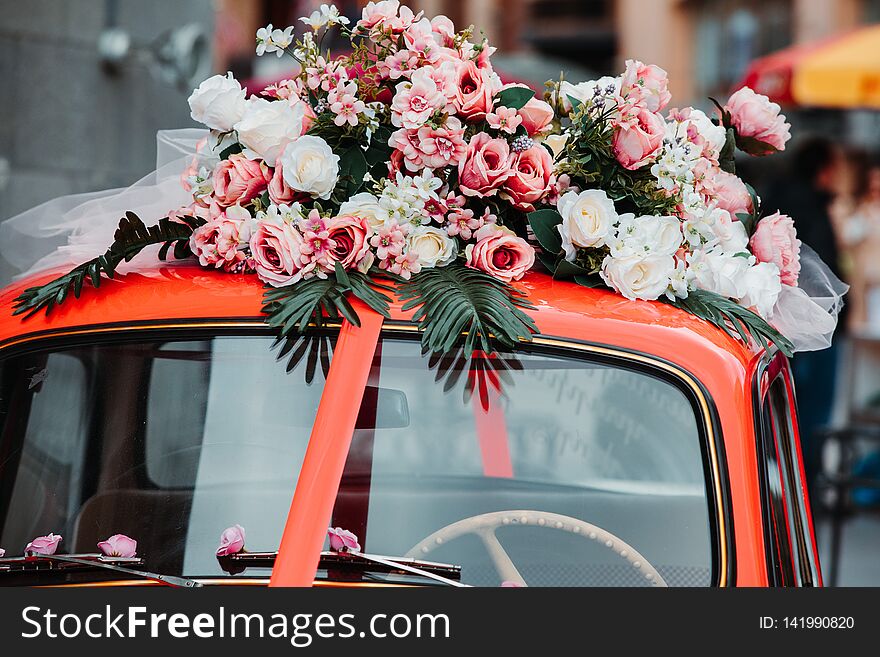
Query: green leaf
(232, 149)
(544, 223)
(352, 168)
(737, 321)
(592, 281)
(514, 97)
(568, 270)
(455, 300)
(131, 237)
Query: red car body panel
(185, 293)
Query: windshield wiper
(36, 563)
(443, 573)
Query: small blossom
(43, 544)
(504, 119)
(273, 40)
(118, 545)
(342, 540)
(325, 16)
(231, 541)
(344, 103)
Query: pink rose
(532, 178)
(473, 91)
(220, 242)
(486, 166)
(351, 237)
(280, 192)
(729, 193)
(238, 180)
(431, 147)
(500, 253)
(775, 240)
(645, 86)
(342, 540)
(276, 249)
(638, 139)
(43, 544)
(755, 117)
(118, 545)
(536, 116)
(231, 541)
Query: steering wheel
(484, 526)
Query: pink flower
(775, 240)
(279, 191)
(431, 147)
(500, 253)
(43, 544)
(536, 116)
(219, 242)
(444, 28)
(388, 241)
(231, 541)
(532, 178)
(404, 265)
(755, 117)
(645, 86)
(2, 553)
(473, 91)
(238, 180)
(638, 139)
(504, 119)
(399, 65)
(729, 193)
(415, 101)
(344, 103)
(463, 223)
(351, 237)
(342, 540)
(383, 17)
(118, 545)
(486, 166)
(276, 249)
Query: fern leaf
(454, 300)
(131, 237)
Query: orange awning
(842, 72)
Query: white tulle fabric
(70, 230)
(807, 314)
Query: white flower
(556, 143)
(715, 135)
(679, 281)
(587, 219)
(327, 15)
(309, 165)
(719, 272)
(762, 286)
(646, 235)
(639, 277)
(269, 40)
(731, 235)
(218, 102)
(283, 213)
(433, 246)
(599, 94)
(365, 206)
(268, 126)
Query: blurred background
(89, 82)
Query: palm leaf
(736, 320)
(131, 237)
(454, 300)
(293, 308)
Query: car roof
(185, 292)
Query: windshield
(172, 441)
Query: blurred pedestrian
(807, 196)
(861, 238)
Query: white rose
(646, 235)
(309, 165)
(731, 234)
(716, 135)
(639, 277)
(268, 126)
(218, 102)
(556, 143)
(432, 245)
(587, 219)
(719, 272)
(762, 286)
(365, 206)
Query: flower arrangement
(410, 161)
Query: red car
(629, 443)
